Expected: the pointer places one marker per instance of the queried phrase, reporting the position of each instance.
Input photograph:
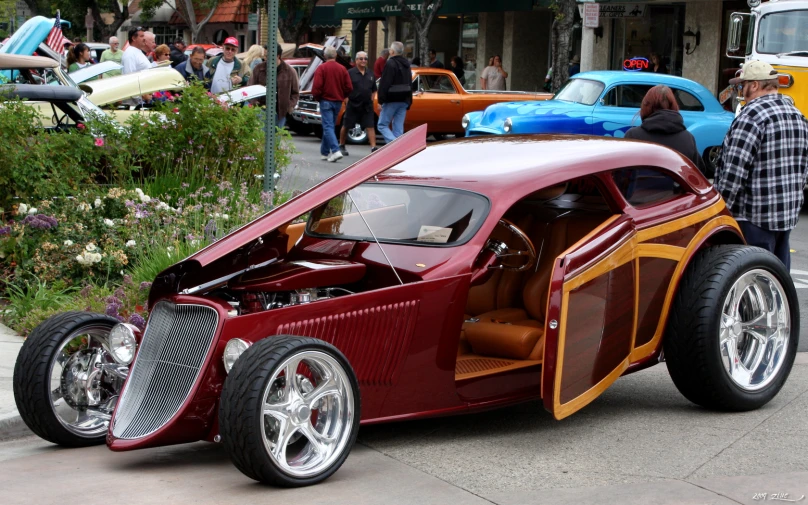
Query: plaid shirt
(764, 163)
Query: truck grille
(169, 361)
(308, 105)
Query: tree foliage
(294, 19)
(561, 39)
(422, 21)
(186, 9)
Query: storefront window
(408, 36)
(166, 35)
(658, 31)
(468, 49)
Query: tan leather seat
(507, 332)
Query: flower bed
(171, 186)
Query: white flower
(32, 211)
(195, 242)
(216, 214)
(138, 191)
(169, 249)
(22, 209)
(90, 247)
(88, 258)
(97, 203)
(109, 222)
(163, 206)
(84, 206)
(131, 243)
(225, 216)
(68, 243)
(145, 198)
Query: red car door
(591, 319)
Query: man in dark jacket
(177, 54)
(287, 86)
(331, 86)
(194, 69)
(395, 93)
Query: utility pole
(271, 99)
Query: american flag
(56, 39)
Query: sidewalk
(11, 426)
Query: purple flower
(222, 200)
(249, 158)
(129, 203)
(138, 321)
(5, 230)
(112, 311)
(86, 290)
(145, 285)
(225, 185)
(40, 221)
(119, 293)
(127, 280)
(185, 185)
(266, 197)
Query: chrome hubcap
(755, 329)
(307, 413)
(85, 382)
(357, 133)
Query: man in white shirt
(226, 70)
(133, 59)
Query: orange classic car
(438, 101)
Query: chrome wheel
(357, 134)
(85, 382)
(307, 413)
(755, 330)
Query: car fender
(709, 133)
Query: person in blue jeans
(331, 87)
(395, 93)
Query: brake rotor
(81, 379)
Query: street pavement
(640, 442)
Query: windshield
(783, 32)
(399, 213)
(583, 91)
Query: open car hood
(114, 89)
(256, 243)
(307, 77)
(87, 73)
(29, 36)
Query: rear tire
(263, 417)
(717, 349)
(710, 157)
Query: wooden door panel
(655, 276)
(599, 331)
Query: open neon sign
(635, 64)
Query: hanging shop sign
(609, 10)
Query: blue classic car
(607, 103)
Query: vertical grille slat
(168, 364)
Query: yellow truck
(777, 33)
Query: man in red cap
(226, 70)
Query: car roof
(515, 165)
(16, 61)
(610, 77)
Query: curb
(12, 426)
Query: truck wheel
(66, 383)
(356, 135)
(289, 412)
(733, 330)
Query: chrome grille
(170, 358)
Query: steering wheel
(501, 249)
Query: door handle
(454, 101)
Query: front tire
(734, 327)
(290, 433)
(65, 382)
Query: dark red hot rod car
(425, 281)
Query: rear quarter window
(646, 186)
(687, 101)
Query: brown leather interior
(509, 309)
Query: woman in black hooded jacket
(662, 123)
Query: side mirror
(735, 32)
